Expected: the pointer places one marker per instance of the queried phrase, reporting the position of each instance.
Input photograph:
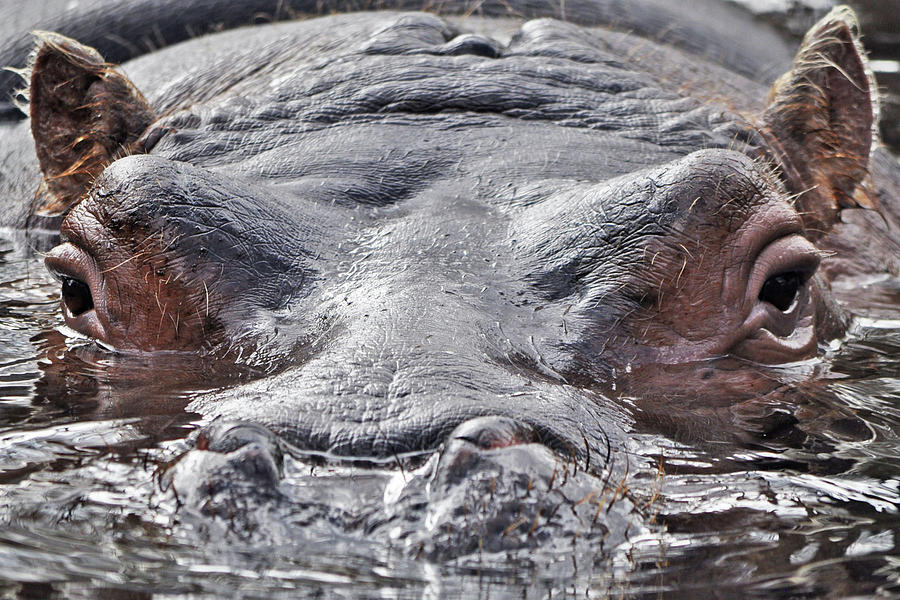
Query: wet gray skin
(435, 233)
(121, 29)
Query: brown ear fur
(83, 115)
(820, 122)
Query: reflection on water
(808, 507)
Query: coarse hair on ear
(84, 114)
(820, 122)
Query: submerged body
(471, 232)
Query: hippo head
(419, 225)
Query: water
(808, 510)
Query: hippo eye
(781, 290)
(77, 296)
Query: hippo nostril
(781, 290)
(77, 296)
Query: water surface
(805, 506)
(86, 438)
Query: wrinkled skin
(420, 235)
(123, 31)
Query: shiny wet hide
(763, 498)
(89, 508)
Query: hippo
(454, 241)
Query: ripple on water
(81, 504)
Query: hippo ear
(820, 122)
(83, 115)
